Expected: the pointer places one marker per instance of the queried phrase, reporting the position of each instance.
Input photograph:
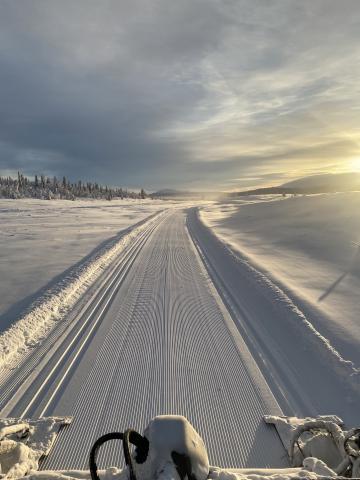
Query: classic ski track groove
(299, 371)
(167, 346)
(168, 350)
(37, 360)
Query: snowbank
(307, 246)
(57, 301)
(40, 240)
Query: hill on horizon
(184, 194)
(322, 183)
(333, 180)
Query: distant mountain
(183, 194)
(169, 192)
(264, 191)
(327, 180)
(323, 183)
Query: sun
(354, 164)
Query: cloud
(198, 92)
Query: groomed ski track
(156, 339)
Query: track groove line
(165, 346)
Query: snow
(240, 318)
(314, 470)
(305, 373)
(168, 436)
(319, 444)
(36, 323)
(111, 473)
(40, 240)
(287, 426)
(165, 344)
(306, 245)
(22, 444)
(171, 435)
(175, 451)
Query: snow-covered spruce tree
(48, 189)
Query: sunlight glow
(355, 164)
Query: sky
(197, 94)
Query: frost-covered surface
(307, 246)
(34, 325)
(40, 240)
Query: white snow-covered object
(176, 451)
(23, 443)
(214, 474)
(321, 438)
(286, 426)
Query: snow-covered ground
(154, 339)
(40, 240)
(307, 246)
(166, 319)
(149, 292)
(169, 440)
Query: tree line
(49, 188)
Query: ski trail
(302, 369)
(50, 309)
(168, 346)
